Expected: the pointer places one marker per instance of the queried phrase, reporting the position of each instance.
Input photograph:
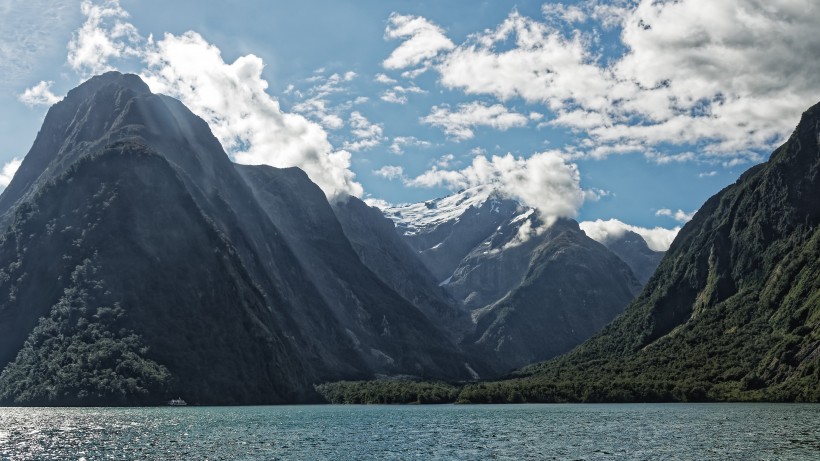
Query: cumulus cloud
(657, 238)
(680, 215)
(315, 103)
(231, 97)
(565, 13)
(390, 172)
(378, 203)
(459, 124)
(707, 174)
(398, 93)
(400, 143)
(366, 133)
(729, 78)
(9, 168)
(39, 95)
(104, 36)
(423, 40)
(382, 78)
(248, 121)
(544, 181)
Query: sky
(623, 114)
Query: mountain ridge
(317, 342)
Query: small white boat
(177, 402)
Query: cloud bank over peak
(544, 181)
(657, 238)
(231, 97)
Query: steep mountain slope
(114, 108)
(534, 291)
(445, 230)
(634, 251)
(119, 306)
(387, 330)
(733, 311)
(380, 248)
(573, 288)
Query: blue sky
(630, 110)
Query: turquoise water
(514, 432)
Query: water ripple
(512, 432)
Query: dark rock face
(533, 291)
(634, 251)
(733, 310)
(228, 271)
(389, 332)
(380, 248)
(573, 287)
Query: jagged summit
(416, 217)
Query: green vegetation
(387, 391)
(81, 354)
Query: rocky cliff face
(284, 326)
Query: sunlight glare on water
(510, 432)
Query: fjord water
(589, 432)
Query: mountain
(358, 298)
(534, 291)
(634, 251)
(573, 287)
(732, 312)
(128, 230)
(380, 248)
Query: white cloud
(398, 93)
(367, 134)
(680, 215)
(390, 172)
(424, 40)
(401, 142)
(317, 105)
(104, 36)
(728, 78)
(459, 124)
(378, 203)
(543, 181)
(707, 174)
(445, 160)
(39, 95)
(564, 13)
(382, 78)
(657, 238)
(9, 168)
(393, 97)
(231, 97)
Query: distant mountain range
(533, 291)
(732, 313)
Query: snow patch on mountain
(413, 217)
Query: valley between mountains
(138, 263)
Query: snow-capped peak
(427, 214)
